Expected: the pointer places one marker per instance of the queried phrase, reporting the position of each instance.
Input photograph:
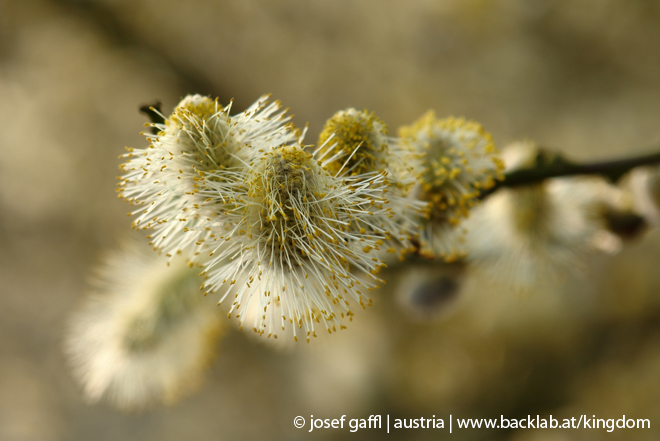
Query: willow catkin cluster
(293, 238)
(297, 238)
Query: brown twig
(557, 166)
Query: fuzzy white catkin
(356, 144)
(525, 237)
(144, 335)
(291, 244)
(455, 160)
(199, 137)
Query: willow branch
(557, 166)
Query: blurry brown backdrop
(582, 77)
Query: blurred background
(580, 77)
